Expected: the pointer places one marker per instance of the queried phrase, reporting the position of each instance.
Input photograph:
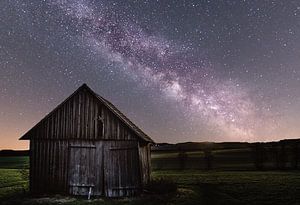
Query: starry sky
(181, 70)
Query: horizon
(186, 71)
(183, 142)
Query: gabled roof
(106, 103)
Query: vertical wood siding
(145, 159)
(111, 168)
(48, 165)
(82, 117)
(121, 168)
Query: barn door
(121, 168)
(82, 168)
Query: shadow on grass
(258, 189)
(212, 195)
(200, 193)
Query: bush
(161, 186)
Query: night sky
(180, 70)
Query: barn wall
(113, 167)
(82, 117)
(48, 166)
(145, 162)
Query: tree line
(282, 155)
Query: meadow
(233, 180)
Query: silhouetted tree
(182, 157)
(259, 155)
(275, 154)
(208, 157)
(295, 155)
(282, 155)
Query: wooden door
(121, 168)
(82, 169)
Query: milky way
(155, 61)
(181, 70)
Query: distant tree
(275, 154)
(295, 155)
(259, 154)
(208, 157)
(182, 157)
(282, 155)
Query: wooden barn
(86, 146)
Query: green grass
(195, 187)
(241, 187)
(12, 182)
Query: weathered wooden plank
(41, 159)
(66, 164)
(91, 146)
(78, 117)
(74, 123)
(99, 180)
(31, 164)
(43, 164)
(48, 164)
(38, 165)
(95, 120)
(106, 123)
(67, 121)
(83, 125)
(61, 163)
(87, 119)
(55, 177)
(63, 122)
(92, 117)
(122, 147)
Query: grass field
(194, 187)
(12, 182)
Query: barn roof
(106, 103)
